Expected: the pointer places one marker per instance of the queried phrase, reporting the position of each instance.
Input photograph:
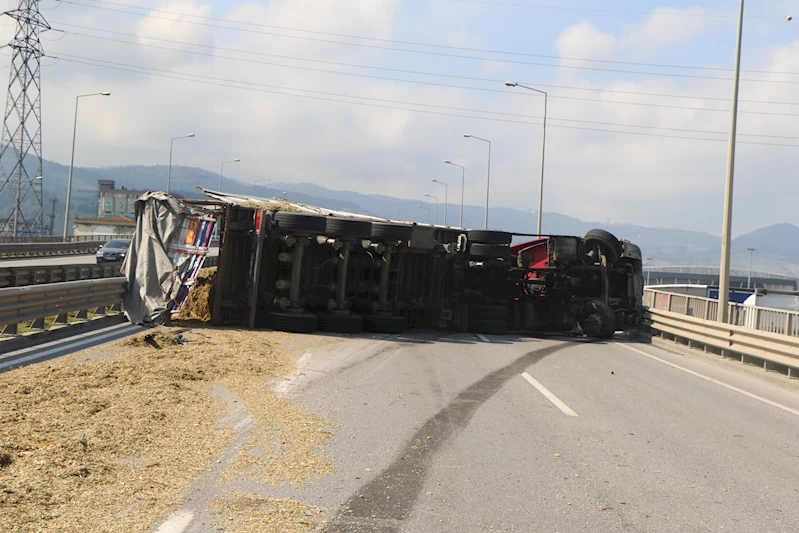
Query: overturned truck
(296, 268)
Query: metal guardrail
(770, 335)
(39, 275)
(34, 249)
(20, 304)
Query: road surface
(446, 433)
(62, 260)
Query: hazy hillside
(776, 245)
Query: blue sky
(384, 147)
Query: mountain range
(776, 245)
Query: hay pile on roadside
(251, 513)
(112, 444)
(198, 303)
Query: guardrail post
(116, 308)
(99, 310)
(37, 324)
(668, 303)
(10, 329)
(60, 319)
(83, 314)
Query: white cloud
(585, 40)
(667, 26)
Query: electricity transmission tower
(22, 126)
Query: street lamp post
(72, 160)
(749, 277)
(428, 211)
(724, 269)
(446, 202)
(436, 199)
(488, 176)
(222, 170)
(255, 185)
(543, 150)
(169, 168)
(463, 183)
(648, 269)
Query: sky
(373, 96)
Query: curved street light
(255, 185)
(543, 149)
(446, 189)
(169, 170)
(71, 162)
(488, 176)
(428, 211)
(463, 184)
(222, 170)
(436, 199)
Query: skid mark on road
(712, 380)
(381, 505)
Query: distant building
(117, 202)
(106, 227)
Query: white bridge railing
(770, 335)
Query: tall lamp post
(648, 269)
(749, 278)
(488, 176)
(420, 206)
(724, 269)
(255, 185)
(169, 168)
(222, 170)
(446, 202)
(543, 150)
(463, 183)
(436, 199)
(72, 160)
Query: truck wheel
(340, 323)
(384, 324)
(608, 244)
(391, 232)
(489, 251)
(598, 320)
(305, 323)
(345, 227)
(492, 327)
(288, 221)
(483, 236)
(488, 312)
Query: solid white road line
(482, 337)
(549, 396)
(717, 382)
(176, 523)
(75, 346)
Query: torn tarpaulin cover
(167, 250)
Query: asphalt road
(447, 434)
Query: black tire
(607, 243)
(488, 312)
(384, 324)
(340, 323)
(492, 327)
(347, 227)
(391, 232)
(293, 323)
(598, 320)
(290, 222)
(488, 237)
(489, 251)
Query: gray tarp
(153, 280)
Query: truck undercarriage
(295, 268)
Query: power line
(439, 54)
(388, 69)
(417, 82)
(600, 10)
(194, 78)
(413, 43)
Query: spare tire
(347, 227)
(483, 236)
(382, 231)
(288, 222)
(489, 251)
(607, 243)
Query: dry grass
(251, 513)
(112, 444)
(198, 302)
